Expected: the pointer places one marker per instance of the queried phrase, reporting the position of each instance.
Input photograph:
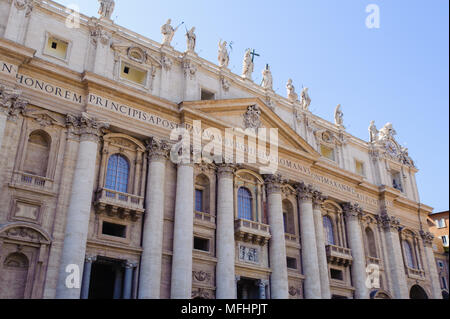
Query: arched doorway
(14, 276)
(417, 292)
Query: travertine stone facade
(93, 204)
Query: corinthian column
(308, 239)
(431, 262)
(391, 226)
(77, 223)
(183, 233)
(10, 105)
(150, 275)
(352, 214)
(225, 274)
(318, 200)
(277, 247)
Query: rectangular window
(57, 48)
(199, 200)
(359, 168)
(337, 274)
(114, 230)
(133, 74)
(201, 244)
(441, 223)
(327, 152)
(207, 95)
(397, 181)
(291, 263)
(445, 240)
(285, 222)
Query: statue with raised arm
(373, 132)
(168, 32)
(387, 132)
(191, 39)
(267, 81)
(224, 58)
(306, 100)
(106, 8)
(247, 66)
(339, 116)
(292, 96)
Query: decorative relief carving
(226, 170)
(225, 83)
(190, 69)
(99, 34)
(24, 234)
(202, 293)
(249, 254)
(252, 118)
(201, 276)
(294, 291)
(427, 238)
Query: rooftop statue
(168, 32)
(224, 58)
(247, 66)
(191, 39)
(106, 8)
(292, 96)
(267, 82)
(306, 100)
(339, 116)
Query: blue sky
(398, 73)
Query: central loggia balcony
(339, 255)
(119, 204)
(250, 231)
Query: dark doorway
(444, 294)
(105, 279)
(247, 289)
(417, 292)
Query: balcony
(32, 181)
(117, 204)
(374, 261)
(202, 218)
(418, 274)
(250, 231)
(339, 255)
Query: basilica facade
(93, 204)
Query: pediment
(135, 53)
(44, 118)
(250, 113)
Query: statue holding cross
(248, 65)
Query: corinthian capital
(273, 183)
(318, 198)
(352, 210)
(158, 149)
(88, 127)
(388, 222)
(427, 238)
(226, 170)
(305, 192)
(11, 102)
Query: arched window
(408, 254)
(371, 243)
(117, 174)
(37, 154)
(328, 227)
(245, 204)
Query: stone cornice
(18, 53)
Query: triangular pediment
(231, 114)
